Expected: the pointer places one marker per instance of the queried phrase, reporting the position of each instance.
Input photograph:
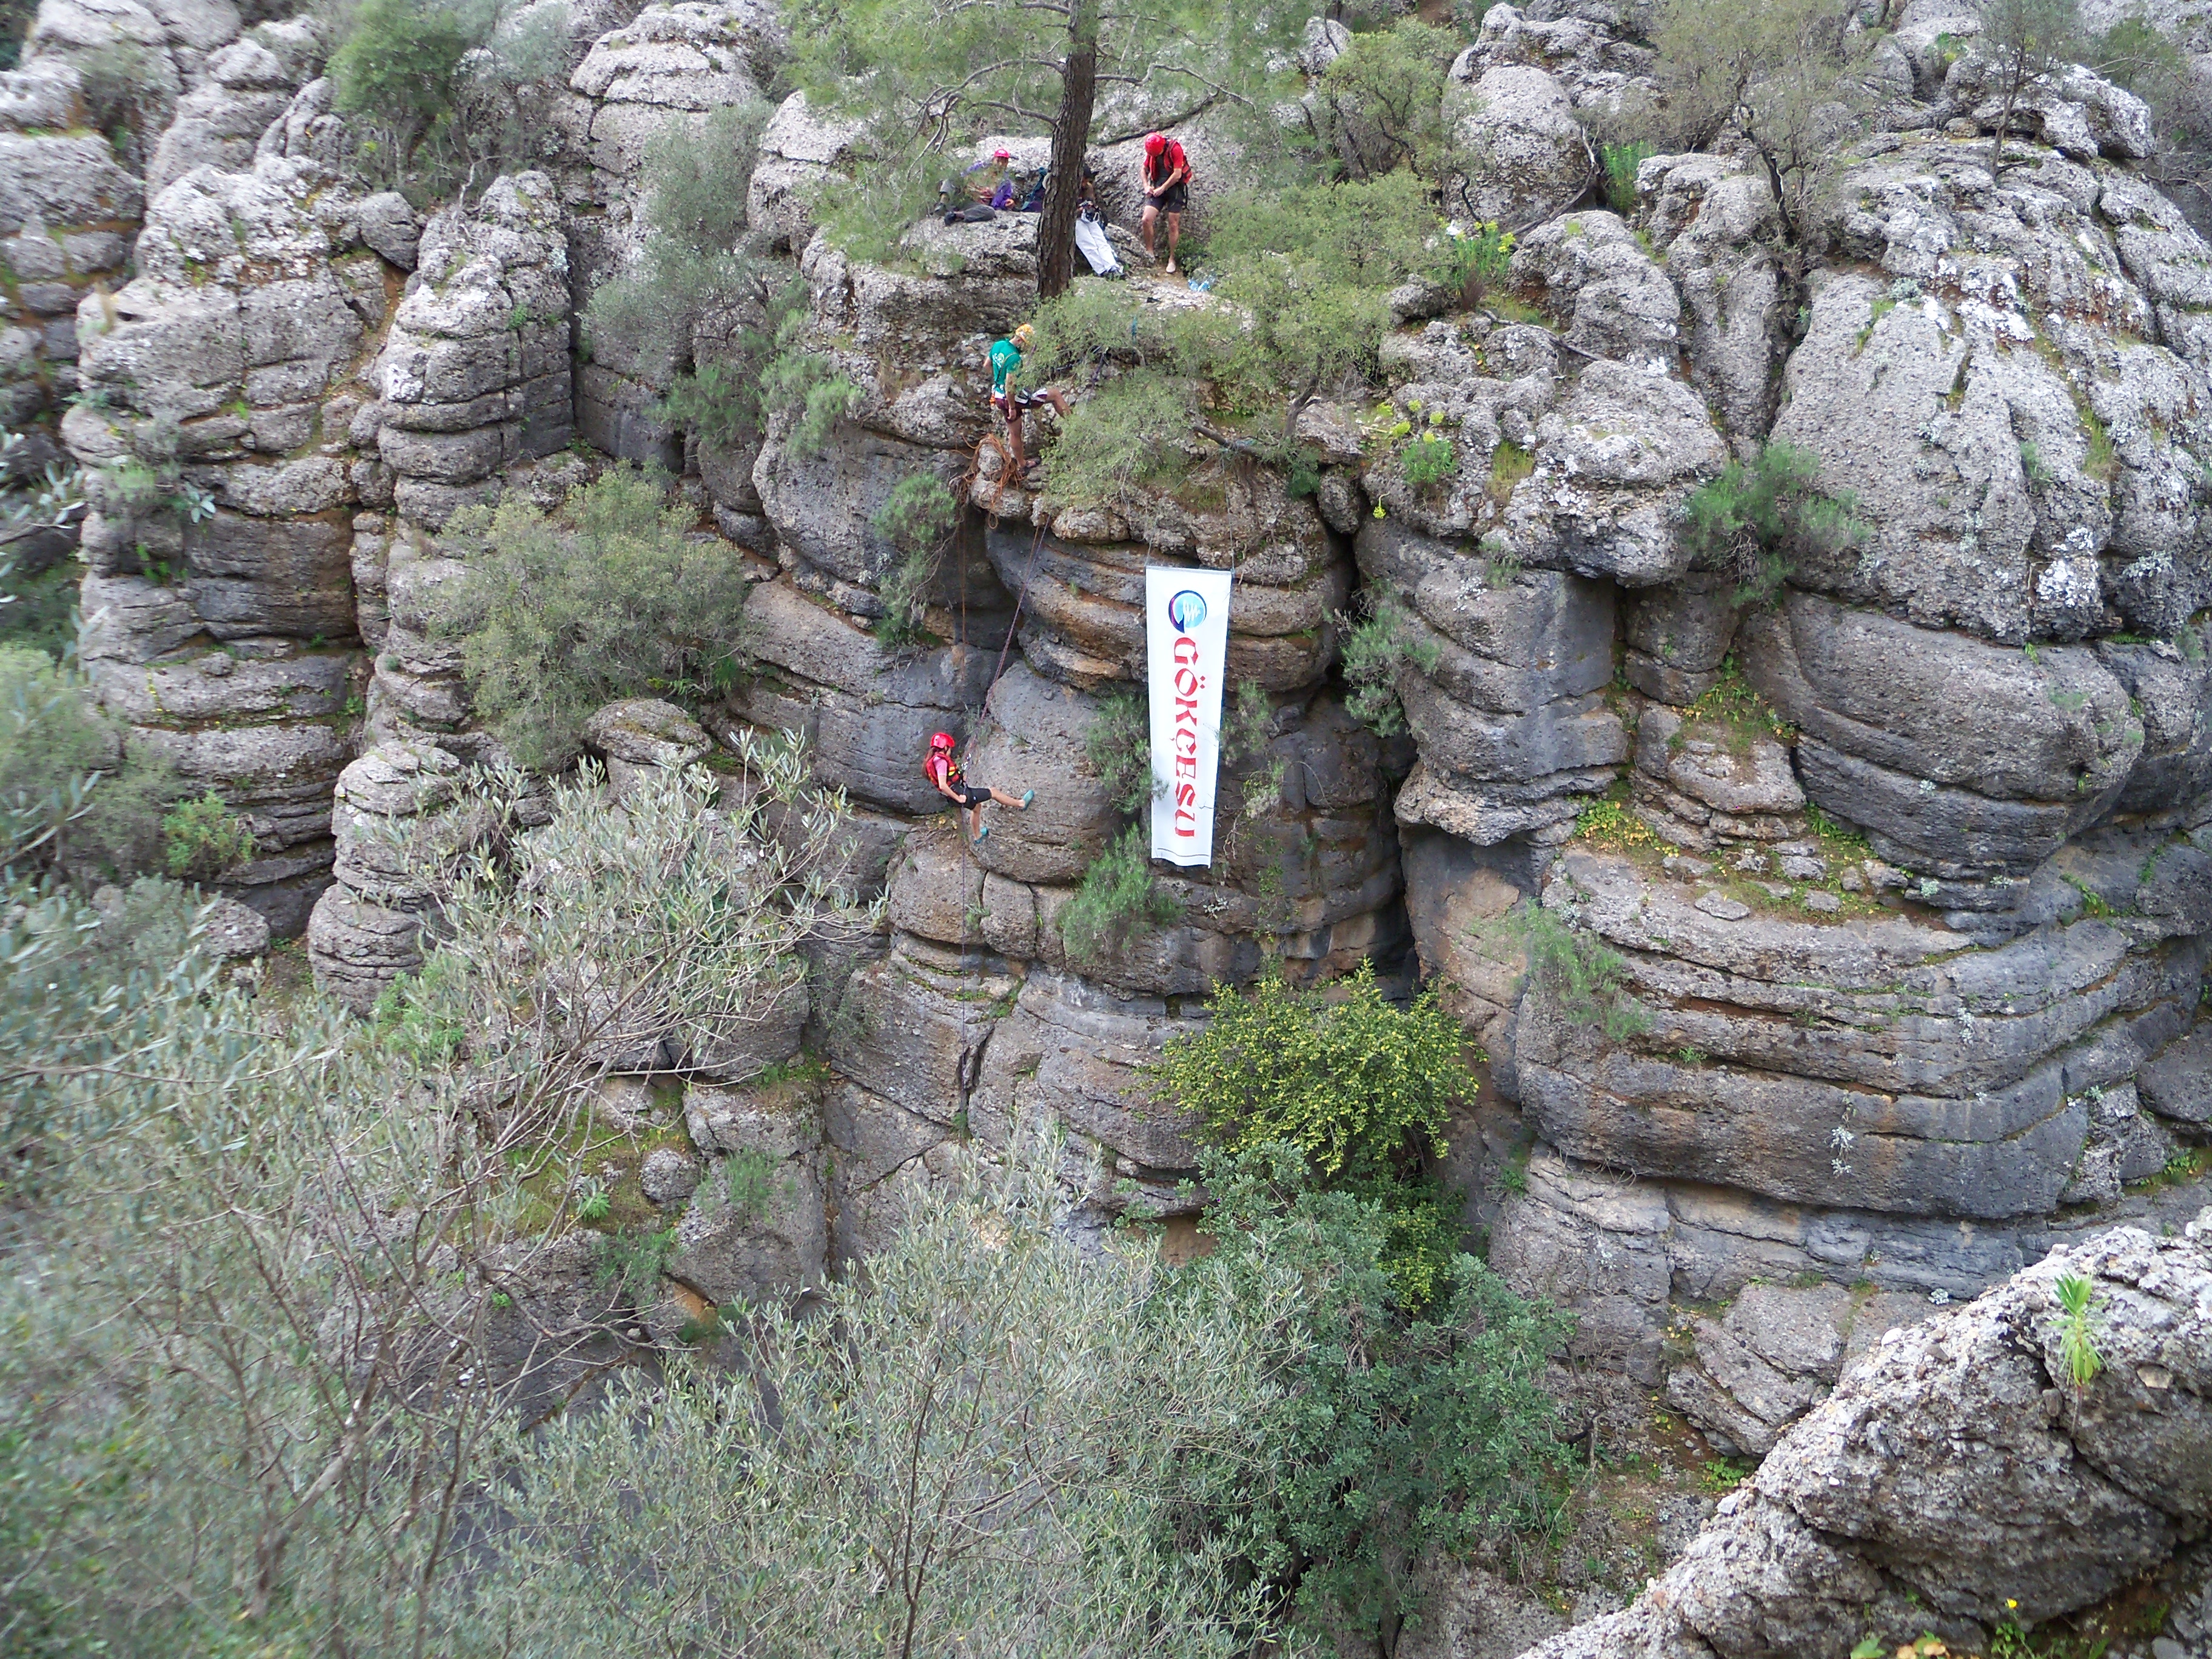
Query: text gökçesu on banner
(1186, 659)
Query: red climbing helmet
(940, 743)
(1155, 143)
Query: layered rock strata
(221, 466)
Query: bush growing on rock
(694, 265)
(433, 87)
(698, 276)
(662, 934)
(1586, 976)
(203, 840)
(917, 518)
(1362, 1088)
(1118, 901)
(320, 1244)
(1757, 522)
(1376, 648)
(1785, 75)
(1380, 105)
(76, 792)
(1306, 274)
(612, 598)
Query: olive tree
(993, 1442)
(2028, 41)
(277, 1281)
(1786, 76)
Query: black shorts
(1174, 199)
(1010, 402)
(970, 795)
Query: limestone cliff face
(1908, 866)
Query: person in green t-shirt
(1005, 358)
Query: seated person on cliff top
(943, 769)
(1005, 358)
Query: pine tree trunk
(1070, 133)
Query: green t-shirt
(1005, 358)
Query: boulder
(1513, 732)
(799, 150)
(2008, 424)
(1830, 1063)
(1959, 1478)
(641, 735)
(866, 712)
(1526, 155)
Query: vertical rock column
(221, 475)
(667, 70)
(476, 387)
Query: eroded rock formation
(1963, 1475)
(1904, 850)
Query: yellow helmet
(1023, 335)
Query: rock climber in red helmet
(1166, 172)
(943, 769)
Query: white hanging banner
(1186, 660)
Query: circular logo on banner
(1185, 611)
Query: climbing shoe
(1028, 795)
(983, 835)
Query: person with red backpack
(1166, 172)
(943, 769)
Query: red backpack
(1171, 158)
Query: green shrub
(435, 90)
(1586, 976)
(202, 841)
(1380, 102)
(692, 265)
(749, 1182)
(1758, 522)
(122, 92)
(1621, 162)
(1354, 1083)
(76, 793)
(2077, 1335)
(1376, 652)
(1078, 1435)
(1119, 746)
(630, 1258)
(398, 63)
(1247, 729)
(613, 598)
(1479, 258)
(917, 518)
(1130, 432)
(1362, 1089)
(1118, 901)
(1429, 460)
(719, 402)
(1402, 1437)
